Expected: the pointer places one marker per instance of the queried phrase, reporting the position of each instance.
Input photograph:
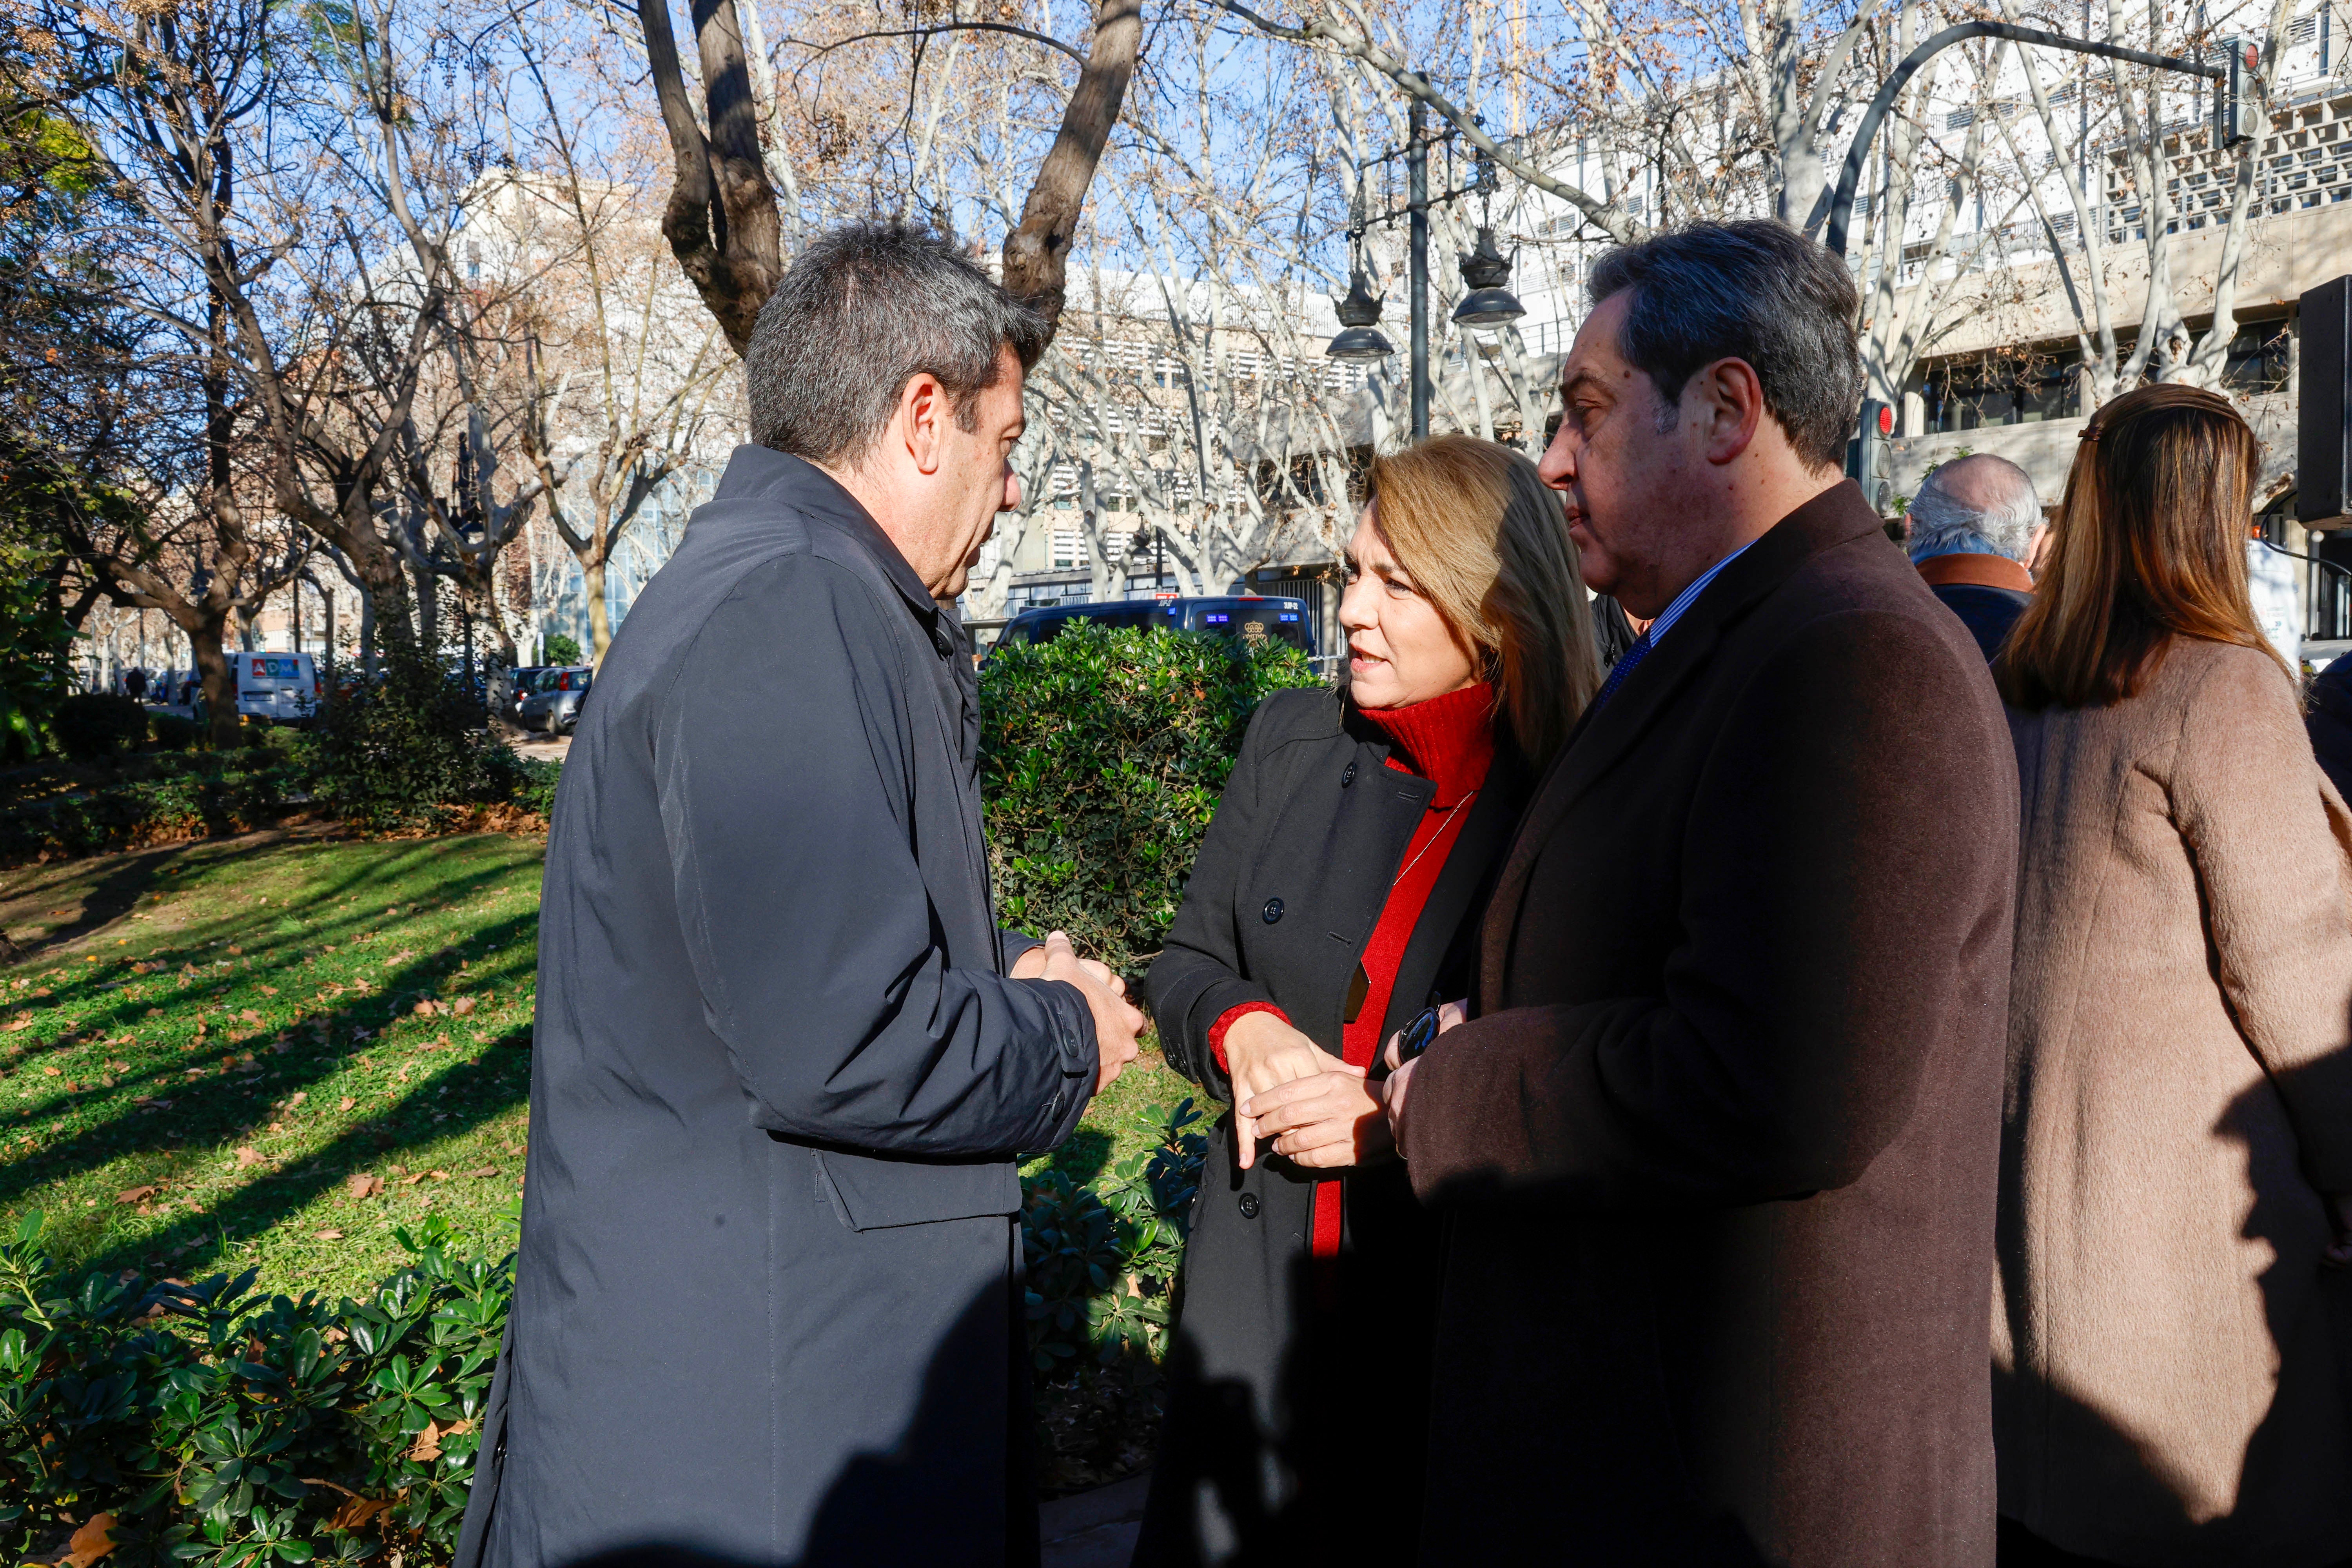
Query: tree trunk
(1037, 252)
(223, 725)
(721, 217)
(599, 625)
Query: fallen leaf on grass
(363, 1186)
(233, 948)
(464, 1004)
(250, 1016)
(90, 1542)
(440, 1175)
(22, 1021)
(53, 1072)
(412, 1181)
(248, 1156)
(269, 991)
(136, 1194)
(348, 1103)
(300, 1095)
(331, 1235)
(426, 1008)
(485, 1171)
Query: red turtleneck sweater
(1449, 741)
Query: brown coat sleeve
(1853, 832)
(2273, 847)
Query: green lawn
(212, 1056)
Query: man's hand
(1116, 1020)
(1335, 1118)
(1262, 1051)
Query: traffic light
(2237, 107)
(1869, 460)
(2323, 465)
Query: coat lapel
(1602, 739)
(1469, 872)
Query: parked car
(555, 698)
(519, 686)
(1248, 618)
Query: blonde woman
(1336, 897)
(2173, 1326)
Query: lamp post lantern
(1489, 303)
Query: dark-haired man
(1718, 1144)
(765, 1305)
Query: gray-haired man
(1973, 525)
(766, 1309)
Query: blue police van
(1248, 618)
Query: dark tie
(1621, 670)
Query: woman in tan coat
(2172, 1335)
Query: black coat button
(1249, 1206)
(1273, 910)
(1348, 778)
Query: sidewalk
(1096, 1529)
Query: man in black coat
(767, 1304)
(1718, 1151)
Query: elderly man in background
(766, 1304)
(1973, 525)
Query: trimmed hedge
(90, 726)
(212, 1425)
(229, 792)
(1102, 756)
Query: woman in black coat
(1336, 896)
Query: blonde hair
(1485, 542)
(2150, 544)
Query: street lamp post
(1489, 303)
(2229, 130)
(2228, 127)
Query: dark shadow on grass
(222, 1106)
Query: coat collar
(1602, 739)
(760, 473)
(1970, 571)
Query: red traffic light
(1886, 420)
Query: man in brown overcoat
(1717, 1146)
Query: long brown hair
(2150, 545)
(1485, 542)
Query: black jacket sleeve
(784, 766)
(1198, 975)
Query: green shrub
(221, 1428)
(559, 649)
(536, 791)
(90, 726)
(1102, 755)
(1102, 1262)
(229, 1429)
(171, 732)
(402, 751)
(187, 796)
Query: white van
(276, 687)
